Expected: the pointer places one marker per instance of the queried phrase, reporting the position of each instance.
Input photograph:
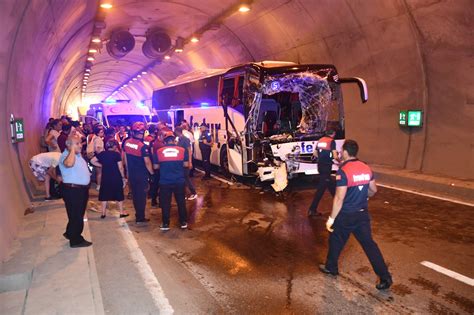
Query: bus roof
(267, 66)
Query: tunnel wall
(43, 45)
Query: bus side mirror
(364, 94)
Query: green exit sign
(415, 118)
(18, 130)
(402, 120)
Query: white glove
(329, 224)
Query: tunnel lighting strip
(449, 273)
(193, 38)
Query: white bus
(265, 117)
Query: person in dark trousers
(139, 168)
(325, 152)
(155, 182)
(172, 161)
(75, 190)
(205, 145)
(355, 184)
(184, 142)
(113, 176)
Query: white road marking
(449, 273)
(217, 177)
(149, 278)
(427, 195)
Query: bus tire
(224, 161)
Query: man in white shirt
(43, 167)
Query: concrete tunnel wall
(413, 54)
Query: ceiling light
(92, 50)
(125, 85)
(244, 7)
(144, 72)
(139, 76)
(134, 79)
(179, 46)
(106, 4)
(96, 40)
(87, 74)
(90, 58)
(194, 39)
(88, 70)
(167, 57)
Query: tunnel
(413, 54)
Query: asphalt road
(249, 251)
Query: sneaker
(124, 215)
(184, 225)
(49, 198)
(384, 284)
(142, 222)
(65, 235)
(192, 197)
(165, 227)
(324, 270)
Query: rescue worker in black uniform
(205, 145)
(325, 152)
(172, 160)
(139, 168)
(355, 184)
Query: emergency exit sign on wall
(18, 130)
(402, 121)
(415, 118)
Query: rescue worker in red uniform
(325, 152)
(355, 184)
(172, 160)
(139, 167)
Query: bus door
(230, 98)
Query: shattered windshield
(290, 102)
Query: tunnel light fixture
(134, 79)
(88, 70)
(96, 39)
(144, 72)
(125, 85)
(92, 50)
(139, 76)
(90, 58)
(106, 4)
(179, 46)
(167, 57)
(244, 7)
(194, 39)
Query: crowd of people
(155, 161)
(152, 160)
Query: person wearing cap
(113, 176)
(205, 145)
(325, 152)
(350, 215)
(172, 160)
(139, 167)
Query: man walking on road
(205, 145)
(75, 190)
(355, 184)
(325, 152)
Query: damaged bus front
(287, 109)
